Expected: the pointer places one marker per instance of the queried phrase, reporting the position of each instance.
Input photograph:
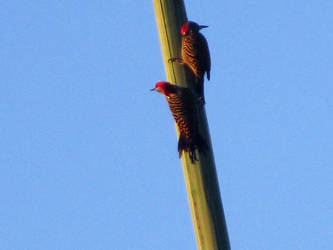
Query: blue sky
(88, 154)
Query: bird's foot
(176, 59)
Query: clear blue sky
(88, 154)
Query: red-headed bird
(195, 54)
(180, 101)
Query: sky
(88, 155)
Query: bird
(195, 55)
(183, 109)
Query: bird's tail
(199, 88)
(197, 82)
(190, 145)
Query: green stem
(200, 177)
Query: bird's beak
(152, 89)
(202, 26)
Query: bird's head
(191, 27)
(164, 88)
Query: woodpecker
(195, 54)
(180, 101)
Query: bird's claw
(175, 59)
(171, 60)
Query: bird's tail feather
(189, 145)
